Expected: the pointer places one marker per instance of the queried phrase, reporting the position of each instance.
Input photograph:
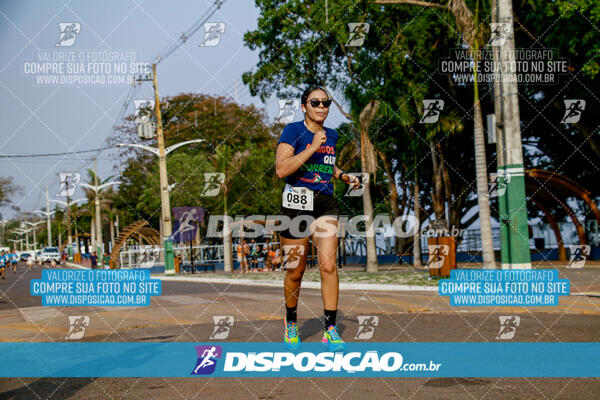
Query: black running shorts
(323, 204)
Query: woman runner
(306, 159)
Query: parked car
(25, 256)
(49, 254)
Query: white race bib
(297, 198)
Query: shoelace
(292, 330)
(334, 334)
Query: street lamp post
(161, 152)
(48, 224)
(48, 214)
(17, 240)
(34, 225)
(67, 205)
(26, 233)
(96, 189)
(166, 226)
(3, 224)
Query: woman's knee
(295, 274)
(328, 268)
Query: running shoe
(291, 337)
(332, 338)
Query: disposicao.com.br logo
(241, 363)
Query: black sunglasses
(315, 103)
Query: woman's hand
(318, 140)
(351, 180)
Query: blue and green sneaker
(332, 338)
(291, 338)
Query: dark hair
(308, 91)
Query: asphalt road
(184, 313)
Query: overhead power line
(55, 154)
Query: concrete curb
(306, 285)
(75, 265)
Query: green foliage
(7, 190)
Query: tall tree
(468, 25)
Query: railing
(147, 256)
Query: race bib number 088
(297, 198)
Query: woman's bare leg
(326, 240)
(293, 276)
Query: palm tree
(230, 166)
(369, 165)
(468, 25)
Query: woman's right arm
(286, 163)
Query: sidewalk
(305, 284)
(585, 281)
(350, 279)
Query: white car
(49, 254)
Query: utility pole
(160, 151)
(48, 224)
(164, 182)
(514, 233)
(97, 212)
(48, 214)
(69, 237)
(26, 238)
(3, 225)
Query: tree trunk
(393, 195)
(227, 245)
(227, 249)
(437, 192)
(78, 247)
(372, 265)
(93, 230)
(368, 163)
(417, 236)
(112, 232)
(483, 199)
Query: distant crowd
(254, 257)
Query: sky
(53, 117)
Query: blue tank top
(317, 171)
